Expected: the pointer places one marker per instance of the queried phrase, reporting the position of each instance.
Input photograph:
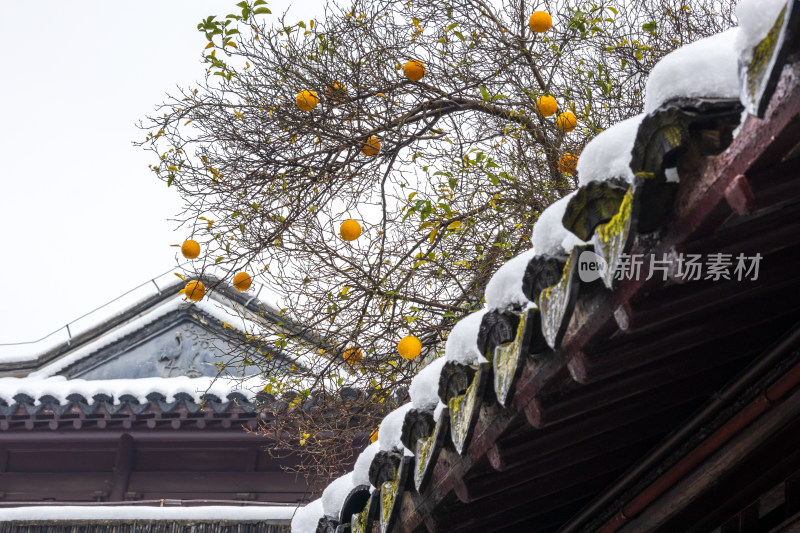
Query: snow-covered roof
(139, 307)
(706, 69)
(279, 514)
(64, 390)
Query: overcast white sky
(82, 219)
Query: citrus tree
(378, 164)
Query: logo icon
(591, 266)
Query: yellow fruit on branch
(540, 22)
(307, 100)
(350, 230)
(409, 347)
(372, 147)
(414, 70)
(546, 105)
(567, 163)
(566, 121)
(194, 290)
(190, 249)
(336, 92)
(353, 356)
(242, 281)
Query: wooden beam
(740, 196)
(772, 421)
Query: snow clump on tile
(306, 518)
(361, 468)
(608, 155)
(424, 388)
(550, 237)
(504, 290)
(756, 19)
(391, 429)
(708, 68)
(334, 495)
(462, 343)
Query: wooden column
(126, 451)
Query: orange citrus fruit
(567, 163)
(372, 147)
(566, 121)
(336, 92)
(409, 347)
(350, 230)
(353, 355)
(190, 249)
(194, 290)
(307, 100)
(414, 70)
(242, 281)
(540, 22)
(546, 105)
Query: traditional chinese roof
(132, 411)
(622, 402)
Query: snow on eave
(462, 341)
(549, 236)
(504, 289)
(261, 513)
(706, 68)
(61, 388)
(608, 155)
(391, 429)
(335, 494)
(424, 388)
(307, 517)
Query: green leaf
(649, 26)
(217, 260)
(485, 94)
